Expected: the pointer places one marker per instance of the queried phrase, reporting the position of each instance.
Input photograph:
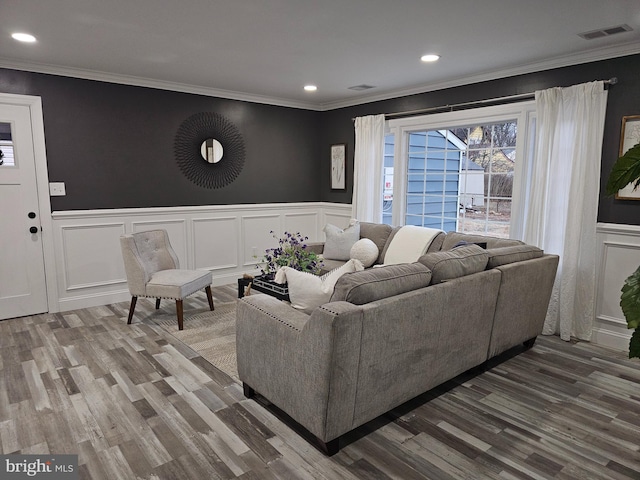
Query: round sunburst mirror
(209, 150)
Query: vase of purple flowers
(292, 251)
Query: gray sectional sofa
(392, 333)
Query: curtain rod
(510, 98)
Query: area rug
(211, 334)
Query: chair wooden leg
(157, 303)
(132, 307)
(209, 297)
(179, 312)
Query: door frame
(42, 186)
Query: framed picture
(629, 137)
(338, 167)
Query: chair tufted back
(144, 254)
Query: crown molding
(631, 48)
(152, 83)
(594, 55)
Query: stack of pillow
(346, 244)
(405, 245)
(308, 291)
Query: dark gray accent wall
(623, 99)
(112, 145)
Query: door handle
(33, 229)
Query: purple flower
(292, 252)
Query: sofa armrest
(521, 307)
(307, 365)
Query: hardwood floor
(133, 402)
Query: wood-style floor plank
(132, 401)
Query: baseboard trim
(610, 339)
(93, 300)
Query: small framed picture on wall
(338, 167)
(630, 136)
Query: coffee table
(263, 285)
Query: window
(387, 179)
(459, 170)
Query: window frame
(522, 112)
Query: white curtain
(563, 200)
(367, 168)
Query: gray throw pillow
(380, 282)
(449, 264)
(338, 243)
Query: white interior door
(22, 273)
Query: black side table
(263, 285)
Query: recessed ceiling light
(23, 37)
(310, 88)
(432, 57)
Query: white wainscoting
(229, 240)
(619, 257)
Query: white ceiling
(267, 50)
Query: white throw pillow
(338, 243)
(366, 251)
(308, 291)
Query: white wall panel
(257, 236)
(91, 255)
(619, 257)
(227, 239)
(307, 223)
(216, 242)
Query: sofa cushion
(377, 283)
(378, 233)
(436, 244)
(517, 253)
(453, 238)
(308, 291)
(366, 251)
(339, 242)
(328, 265)
(449, 264)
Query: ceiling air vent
(359, 88)
(605, 32)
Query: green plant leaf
(625, 171)
(630, 299)
(634, 344)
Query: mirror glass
(6, 145)
(211, 150)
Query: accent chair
(153, 270)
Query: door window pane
(6, 145)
